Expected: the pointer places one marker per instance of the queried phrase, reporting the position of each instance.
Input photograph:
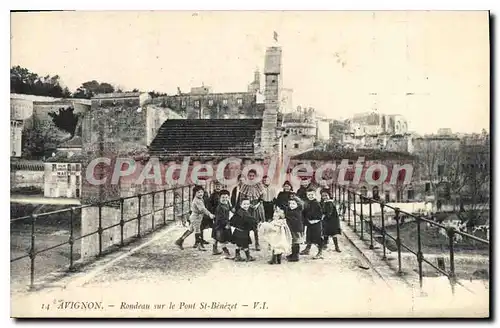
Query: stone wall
(26, 178)
(213, 105)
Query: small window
(375, 193)
(210, 102)
(240, 101)
(69, 167)
(77, 193)
(77, 180)
(54, 167)
(296, 145)
(69, 179)
(427, 187)
(196, 104)
(224, 102)
(183, 104)
(78, 167)
(440, 170)
(387, 196)
(411, 194)
(364, 191)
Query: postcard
(250, 164)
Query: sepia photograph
(250, 164)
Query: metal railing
(175, 200)
(348, 198)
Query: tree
(23, 81)
(65, 119)
(91, 88)
(458, 175)
(40, 139)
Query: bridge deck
(159, 273)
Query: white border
(194, 5)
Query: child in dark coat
(243, 222)
(222, 231)
(284, 196)
(313, 217)
(294, 219)
(331, 222)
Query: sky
(335, 61)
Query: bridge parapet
(413, 238)
(94, 230)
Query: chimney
(272, 71)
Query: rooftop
(64, 157)
(75, 142)
(117, 95)
(368, 154)
(199, 138)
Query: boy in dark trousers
(313, 216)
(243, 222)
(294, 219)
(222, 230)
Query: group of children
(292, 220)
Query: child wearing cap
(198, 210)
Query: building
(287, 100)
(375, 131)
(120, 124)
(63, 176)
(203, 103)
(115, 127)
(300, 131)
(400, 184)
(30, 116)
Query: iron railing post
(361, 218)
(384, 257)
(32, 252)
(452, 276)
(371, 222)
(164, 206)
(420, 256)
(99, 229)
(153, 195)
(122, 221)
(71, 240)
(174, 203)
(398, 239)
(343, 201)
(182, 199)
(354, 210)
(139, 216)
(349, 207)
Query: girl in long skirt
(277, 234)
(331, 221)
(198, 210)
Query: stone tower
(270, 144)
